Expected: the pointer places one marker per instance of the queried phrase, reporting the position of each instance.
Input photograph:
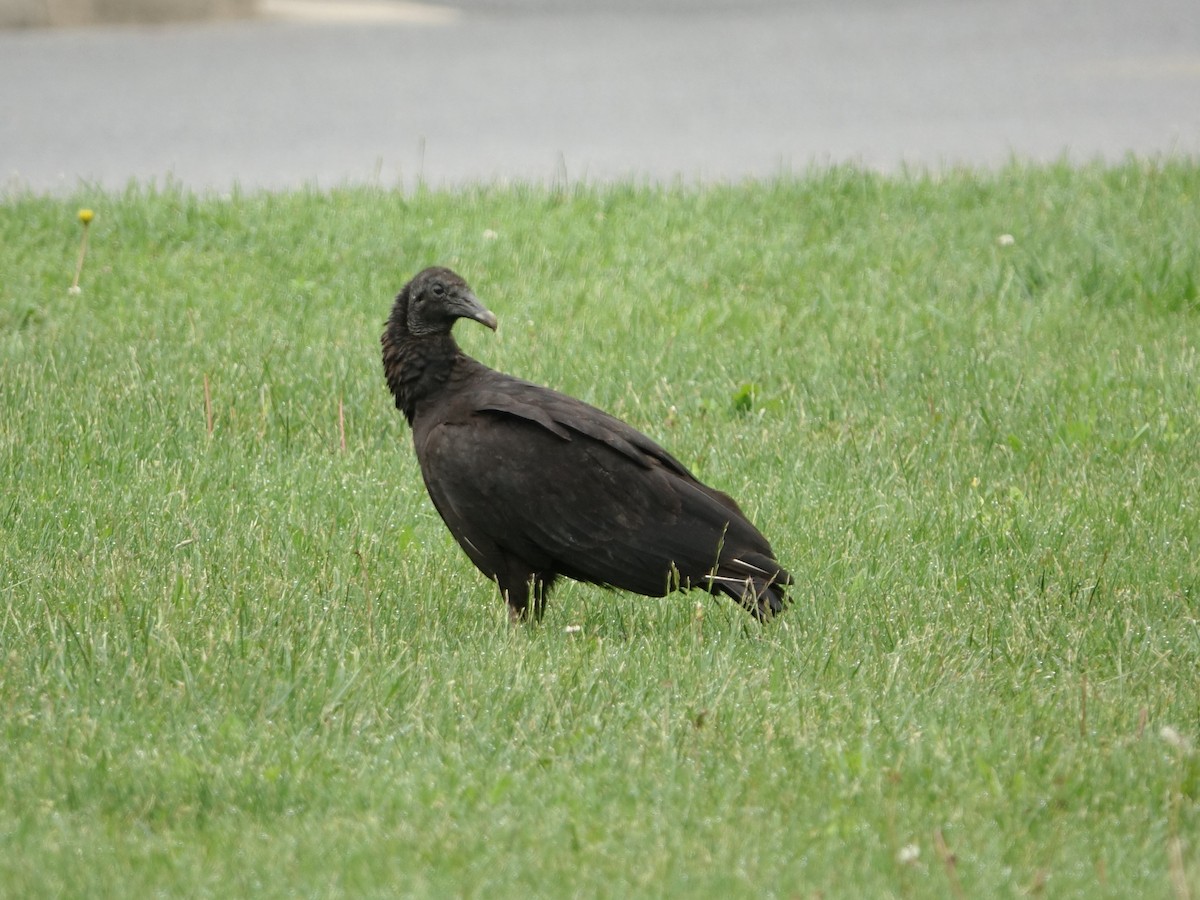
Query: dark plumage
(534, 484)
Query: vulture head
(437, 297)
(418, 350)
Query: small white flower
(489, 234)
(573, 629)
(1006, 240)
(908, 854)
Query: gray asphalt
(542, 90)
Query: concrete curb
(359, 11)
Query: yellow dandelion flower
(85, 216)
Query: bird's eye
(439, 290)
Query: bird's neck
(418, 368)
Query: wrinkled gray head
(436, 298)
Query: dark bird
(534, 484)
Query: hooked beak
(469, 307)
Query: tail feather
(754, 580)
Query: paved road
(539, 89)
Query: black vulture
(534, 484)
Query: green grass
(253, 663)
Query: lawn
(240, 655)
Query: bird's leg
(516, 597)
(515, 585)
(518, 594)
(539, 587)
